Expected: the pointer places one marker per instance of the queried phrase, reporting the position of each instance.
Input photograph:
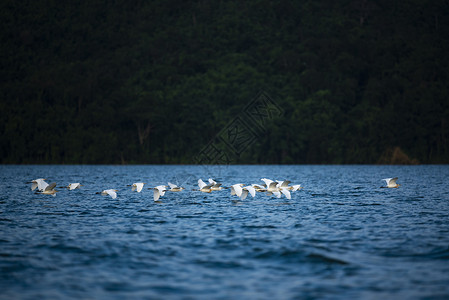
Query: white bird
(137, 186)
(159, 191)
(110, 192)
(237, 189)
(248, 189)
(39, 183)
(205, 188)
(242, 191)
(73, 186)
(49, 189)
(391, 183)
(174, 187)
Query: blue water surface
(340, 237)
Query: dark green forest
(357, 81)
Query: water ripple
(338, 239)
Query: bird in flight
(391, 183)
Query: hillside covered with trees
(357, 81)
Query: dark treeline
(359, 81)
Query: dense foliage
(156, 81)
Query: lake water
(340, 237)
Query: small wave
(158, 222)
(415, 198)
(322, 258)
(3, 254)
(436, 253)
(366, 204)
(168, 288)
(299, 256)
(259, 226)
(440, 253)
(14, 267)
(320, 195)
(43, 213)
(185, 217)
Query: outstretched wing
(73, 186)
(244, 195)
(267, 181)
(232, 191)
(272, 185)
(208, 186)
(296, 187)
(161, 189)
(50, 187)
(111, 193)
(286, 193)
(387, 180)
(201, 183)
(251, 190)
(393, 180)
(237, 189)
(156, 194)
(139, 186)
(41, 185)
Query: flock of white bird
(270, 187)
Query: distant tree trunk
(143, 132)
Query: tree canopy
(157, 81)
